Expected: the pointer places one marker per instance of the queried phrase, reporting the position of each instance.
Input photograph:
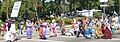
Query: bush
(49, 21)
(68, 21)
(58, 20)
(97, 15)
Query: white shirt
(12, 28)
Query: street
(61, 38)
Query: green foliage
(68, 20)
(7, 6)
(97, 15)
(27, 6)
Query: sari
(106, 32)
(29, 30)
(53, 29)
(98, 30)
(88, 33)
(43, 30)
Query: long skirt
(63, 29)
(98, 32)
(107, 33)
(29, 33)
(44, 33)
(88, 33)
(113, 30)
(40, 31)
(53, 32)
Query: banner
(15, 9)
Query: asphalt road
(61, 38)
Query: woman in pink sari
(53, 28)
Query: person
(84, 22)
(12, 29)
(53, 28)
(19, 29)
(8, 35)
(3, 28)
(29, 29)
(21, 26)
(89, 30)
(63, 27)
(80, 31)
(72, 30)
(73, 22)
(106, 31)
(43, 30)
(98, 29)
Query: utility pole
(7, 9)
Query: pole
(7, 9)
(104, 9)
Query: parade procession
(59, 21)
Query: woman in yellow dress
(98, 30)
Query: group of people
(8, 30)
(102, 28)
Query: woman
(113, 25)
(43, 30)
(106, 31)
(29, 29)
(98, 30)
(53, 28)
(8, 34)
(12, 29)
(63, 27)
(89, 30)
(80, 31)
(73, 22)
(3, 28)
(84, 22)
(72, 31)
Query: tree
(7, 6)
(27, 6)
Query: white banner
(15, 9)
